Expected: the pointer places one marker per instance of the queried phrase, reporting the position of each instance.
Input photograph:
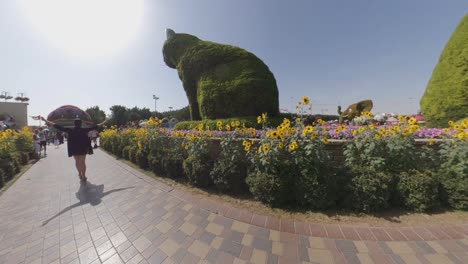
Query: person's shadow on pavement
(88, 193)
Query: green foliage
(96, 114)
(23, 143)
(173, 157)
(121, 115)
(453, 174)
(8, 168)
(220, 80)
(2, 178)
(188, 125)
(126, 152)
(370, 189)
(230, 169)
(198, 164)
(182, 114)
(446, 95)
(294, 172)
(142, 159)
(24, 157)
(250, 121)
(418, 190)
(384, 158)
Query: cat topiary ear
(169, 33)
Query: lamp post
(155, 100)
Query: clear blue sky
(335, 52)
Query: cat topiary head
(176, 45)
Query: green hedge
(250, 121)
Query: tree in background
(119, 115)
(96, 114)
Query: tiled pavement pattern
(122, 216)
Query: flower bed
(293, 165)
(15, 149)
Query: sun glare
(85, 28)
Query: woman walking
(78, 143)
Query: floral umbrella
(65, 116)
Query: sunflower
(305, 100)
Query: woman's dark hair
(77, 122)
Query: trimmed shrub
(418, 190)
(453, 174)
(446, 95)
(221, 80)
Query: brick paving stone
(123, 216)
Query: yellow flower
(293, 146)
(371, 127)
(280, 145)
(400, 118)
(228, 127)
(253, 132)
(264, 117)
(412, 121)
(377, 136)
(305, 100)
(245, 142)
(286, 122)
(355, 132)
(219, 123)
(313, 135)
(451, 123)
(266, 148)
(464, 123)
(259, 119)
(325, 140)
(247, 148)
(457, 127)
(237, 123)
(431, 141)
(200, 127)
(233, 124)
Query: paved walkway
(123, 216)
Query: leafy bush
(453, 174)
(2, 178)
(24, 158)
(142, 159)
(198, 164)
(126, 152)
(230, 169)
(8, 168)
(370, 189)
(173, 157)
(132, 154)
(418, 190)
(292, 171)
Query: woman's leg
(83, 166)
(78, 164)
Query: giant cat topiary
(220, 80)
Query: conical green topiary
(446, 95)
